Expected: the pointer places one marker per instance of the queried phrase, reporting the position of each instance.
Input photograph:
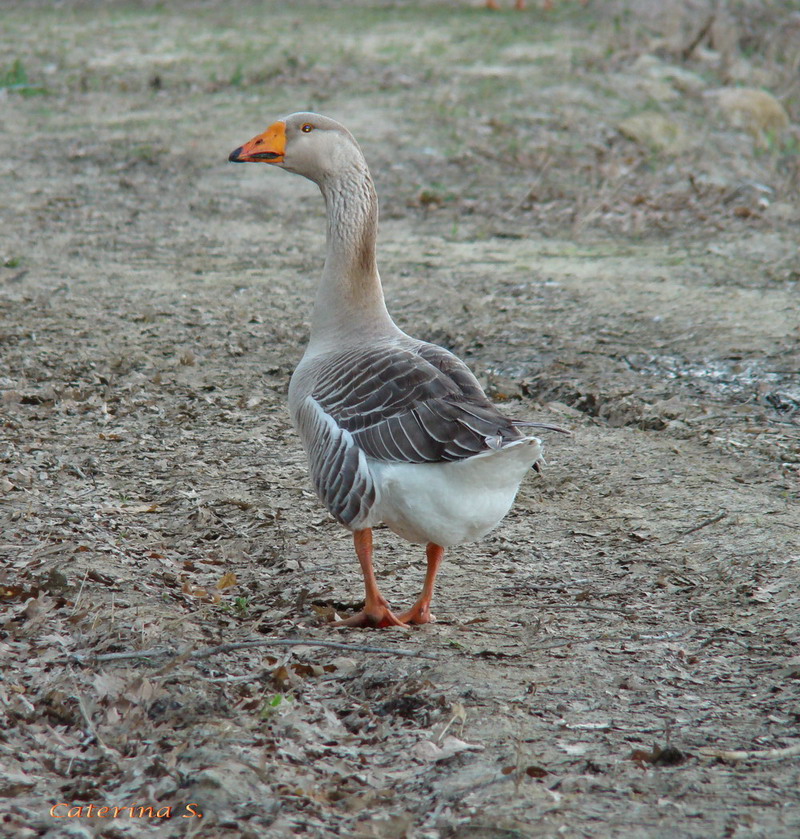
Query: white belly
(451, 503)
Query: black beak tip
(235, 155)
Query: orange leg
(376, 611)
(492, 4)
(420, 612)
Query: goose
(396, 431)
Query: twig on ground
(221, 649)
(460, 715)
(554, 645)
(695, 528)
(765, 754)
(80, 593)
(687, 51)
(306, 642)
(110, 753)
(155, 652)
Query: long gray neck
(349, 302)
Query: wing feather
(339, 471)
(409, 403)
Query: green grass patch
(16, 79)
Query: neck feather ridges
(350, 298)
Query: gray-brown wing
(412, 404)
(338, 467)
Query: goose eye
(307, 127)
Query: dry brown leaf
(668, 756)
(108, 684)
(327, 613)
(530, 771)
(13, 781)
(141, 508)
(201, 593)
(536, 772)
(141, 690)
(227, 580)
(281, 677)
(17, 592)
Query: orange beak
(266, 148)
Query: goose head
(307, 144)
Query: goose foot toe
(417, 615)
(375, 618)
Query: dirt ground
(570, 202)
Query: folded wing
(415, 404)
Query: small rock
(654, 131)
(621, 411)
(751, 110)
(672, 408)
